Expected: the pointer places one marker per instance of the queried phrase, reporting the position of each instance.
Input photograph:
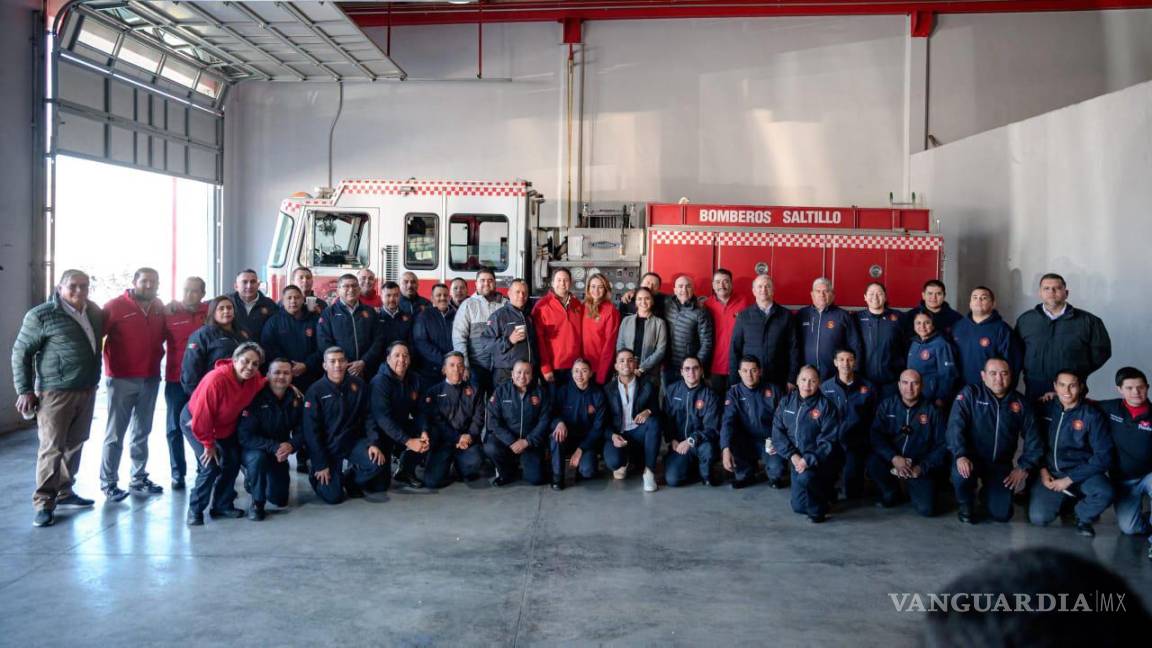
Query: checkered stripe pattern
(670, 237)
(757, 239)
(889, 242)
(294, 206)
(433, 187)
(796, 240)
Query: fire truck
(440, 230)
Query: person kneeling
(395, 423)
(806, 426)
(270, 432)
(454, 416)
(634, 425)
(908, 446)
(578, 412)
(519, 417)
(694, 422)
(1077, 456)
(335, 408)
(746, 430)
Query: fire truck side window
(280, 241)
(421, 244)
(339, 239)
(476, 241)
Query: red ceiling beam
(377, 14)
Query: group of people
(384, 385)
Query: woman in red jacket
(600, 325)
(209, 425)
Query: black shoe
(196, 519)
(256, 512)
(302, 467)
(351, 488)
(707, 481)
(1085, 529)
(230, 512)
(44, 517)
(177, 483)
(965, 516)
(737, 484)
(407, 479)
(817, 519)
(558, 485)
(499, 481)
(74, 501)
(885, 503)
(145, 487)
(114, 494)
(776, 484)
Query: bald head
(910, 385)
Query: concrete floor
(600, 563)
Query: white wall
(782, 110)
(16, 158)
(1066, 192)
(989, 70)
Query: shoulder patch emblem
(960, 397)
(244, 413)
(191, 345)
(493, 399)
(307, 404)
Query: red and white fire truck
(440, 230)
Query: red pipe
(372, 15)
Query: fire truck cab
(438, 230)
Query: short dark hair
(279, 359)
(690, 357)
(651, 274)
(248, 271)
(876, 283)
(843, 350)
(750, 358)
(987, 290)
(1052, 275)
(389, 285)
(485, 270)
(200, 280)
(1130, 373)
(332, 350)
(556, 271)
(723, 271)
(624, 350)
(291, 287)
(397, 343)
(304, 269)
(452, 354)
(1033, 572)
(934, 282)
(144, 270)
(582, 361)
(808, 366)
(460, 279)
(1071, 372)
(996, 358)
(440, 285)
(347, 276)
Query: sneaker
(965, 516)
(114, 494)
(1085, 529)
(177, 483)
(44, 517)
(620, 473)
(146, 487)
(256, 512)
(649, 481)
(74, 501)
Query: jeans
(175, 398)
(1130, 494)
(643, 445)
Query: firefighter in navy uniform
(933, 302)
(983, 334)
(453, 418)
(692, 425)
(882, 340)
(908, 447)
(207, 345)
(432, 336)
(270, 431)
(805, 432)
(746, 428)
(519, 418)
(1130, 424)
(578, 413)
(1077, 456)
(253, 308)
(855, 398)
(291, 334)
(510, 335)
(984, 429)
(395, 425)
(395, 322)
(335, 408)
(354, 327)
(824, 328)
(410, 300)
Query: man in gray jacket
(690, 331)
(469, 326)
(55, 369)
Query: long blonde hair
(591, 305)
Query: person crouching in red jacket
(209, 425)
(558, 329)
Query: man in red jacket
(725, 305)
(133, 346)
(184, 317)
(558, 329)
